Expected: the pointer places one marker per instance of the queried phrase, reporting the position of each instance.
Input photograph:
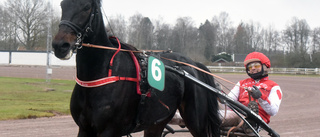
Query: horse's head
(76, 20)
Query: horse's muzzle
(62, 50)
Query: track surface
(299, 114)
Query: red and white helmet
(257, 56)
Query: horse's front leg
(86, 133)
(89, 132)
(109, 133)
(157, 129)
(77, 108)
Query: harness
(112, 79)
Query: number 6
(155, 68)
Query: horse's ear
(98, 2)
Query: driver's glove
(255, 92)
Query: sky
(276, 13)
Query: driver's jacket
(270, 100)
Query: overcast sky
(267, 12)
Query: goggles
(255, 65)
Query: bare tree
(162, 35)
(225, 32)
(255, 35)
(207, 39)
(134, 29)
(30, 21)
(241, 40)
(3, 15)
(272, 40)
(184, 35)
(296, 35)
(145, 35)
(315, 47)
(118, 27)
(8, 30)
(315, 40)
(55, 24)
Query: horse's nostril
(61, 46)
(65, 46)
(62, 49)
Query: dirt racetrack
(299, 114)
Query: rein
(125, 50)
(144, 51)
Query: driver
(259, 93)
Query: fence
(304, 71)
(40, 58)
(33, 58)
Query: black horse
(116, 109)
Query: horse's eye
(87, 7)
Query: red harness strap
(103, 81)
(111, 79)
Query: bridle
(81, 32)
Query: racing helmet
(263, 59)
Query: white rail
(304, 71)
(40, 58)
(33, 58)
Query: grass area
(22, 98)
